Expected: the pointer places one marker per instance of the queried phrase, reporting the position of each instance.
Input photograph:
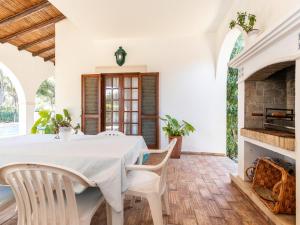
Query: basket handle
(276, 187)
(249, 171)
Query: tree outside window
(45, 96)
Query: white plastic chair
(111, 133)
(45, 194)
(142, 182)
(7, 204)
(6, 197)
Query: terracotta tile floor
(200, 193)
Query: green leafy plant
(174, 128)
(49, 122)
(245, 20)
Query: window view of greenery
(232, 104)
(9, 108)
(45, 96)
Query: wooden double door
(126, 102)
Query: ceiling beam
(38, 41)
(43, 50)
(49, 57)
(35, 8)
(32, 28)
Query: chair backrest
(111, 133)
(163, 165)
(44, 193)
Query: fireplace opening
(270, 103)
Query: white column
(241, 144)
(29, 116)
(297, 111)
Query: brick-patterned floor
(200, 193)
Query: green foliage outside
(232, 104)
(174, 128)
(9, 108)
(45, 96)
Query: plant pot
(65, 133)
(177, 148)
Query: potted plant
(50, 123)
(63, 123)
(246, 21)
(175, 129)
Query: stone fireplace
(268, 104)
(271, 91)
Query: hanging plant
(245, 20)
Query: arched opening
(227, 87)
(12, 104)
(45, 97)
(232, 104)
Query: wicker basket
(276, 179)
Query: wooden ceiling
(30, 25)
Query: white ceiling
(114, 19)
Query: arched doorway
(232, 104)
(227, 87)
(45, 97)
(13, 104)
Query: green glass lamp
(120, 55)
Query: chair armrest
(154, 151)
(143, 167)
(146, 151)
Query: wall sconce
(120, 56)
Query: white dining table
(102, 159)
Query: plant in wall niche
(175, 129)
(245, 20)
(51, 123)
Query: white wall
(188, 89)
(30, 72)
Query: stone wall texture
(277, 91)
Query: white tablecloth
(101, 159)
